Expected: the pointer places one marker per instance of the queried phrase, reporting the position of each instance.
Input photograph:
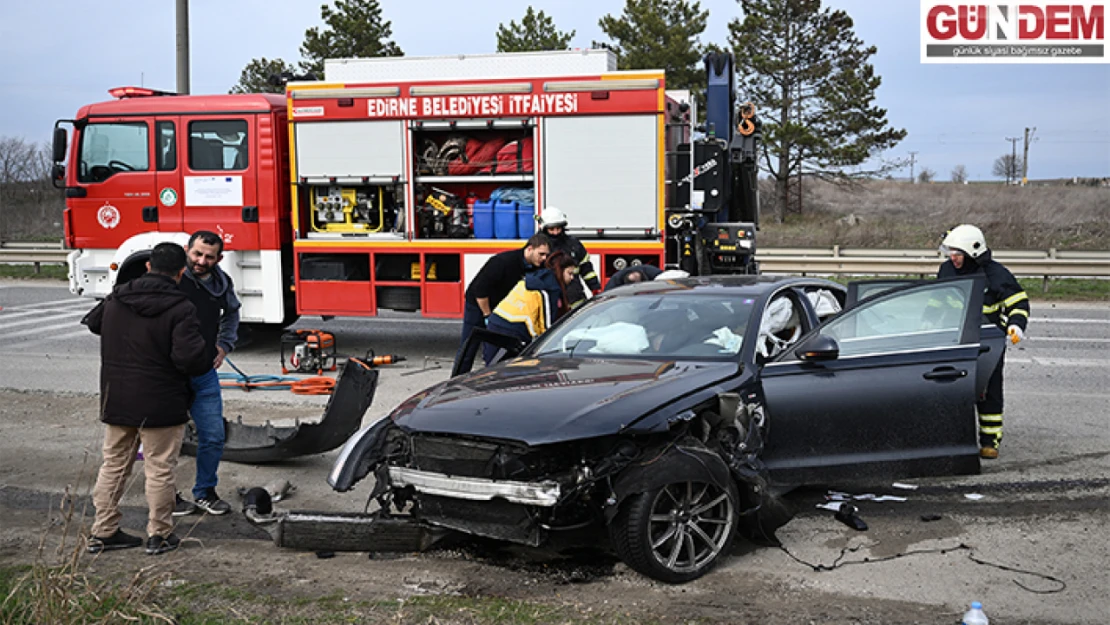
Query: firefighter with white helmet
(1005, 304)
(553, 223)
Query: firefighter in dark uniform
(1005, 304)
(553, 222)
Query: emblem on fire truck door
(108, 216)
(168, 196)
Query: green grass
(47, 272)
(62, 595)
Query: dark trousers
(472, 318)
(990, 409)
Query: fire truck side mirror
(58, 172)
(61, 140)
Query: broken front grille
(486, 459)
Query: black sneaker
(212, 504)
(182, 506)
(119, 540)
(156, 544)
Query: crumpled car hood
(554, 400)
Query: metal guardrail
(793, 260)
(836, 260)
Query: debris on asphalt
(848, 515)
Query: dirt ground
(903, 570)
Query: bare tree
(959, 174)
(926, 175)
(29, 205)
(1007, 166)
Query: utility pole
(183, 47)
(912, 155)
(1025, 155)
(1011, 171)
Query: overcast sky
(62, 54)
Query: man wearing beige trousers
(150, 345)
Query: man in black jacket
(212, 292)
(150, 345)
(494, 281)
(1005, 304)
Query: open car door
(886, 389)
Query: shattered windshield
(655, 325)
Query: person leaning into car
(150, 346)
(1005, 304)
(494, 281)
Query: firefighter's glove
(1016, 334)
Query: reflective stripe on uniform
(1020, 311)
(1015, 298)
(991, 425)
(993, 308)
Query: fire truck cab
(151, 167)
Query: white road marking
(1065, 339)
(24, 345)
(1060, 362)
(41, 317)
(69, 324)
(59, 303)
(1067, 320)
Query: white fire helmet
(965, 238)
(551, 217)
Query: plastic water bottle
(975, 616)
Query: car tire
(639, 532)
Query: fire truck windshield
(110, 148)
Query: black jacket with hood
(217, 309)
(1005, 303)
(150, 345)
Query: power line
(912, 157)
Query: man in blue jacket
(213, 294)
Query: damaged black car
(673, 415)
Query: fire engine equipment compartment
(367, 209)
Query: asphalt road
(1044, 505)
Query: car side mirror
(820, 347)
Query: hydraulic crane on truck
(713, 214)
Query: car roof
(740, 285)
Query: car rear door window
(920, 318)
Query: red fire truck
(389, 185)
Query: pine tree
(660, 34)
(810, 76)
(262, 76)
(536, 31)
(355, 29)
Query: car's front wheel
(678, 532)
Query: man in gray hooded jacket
(213, 294)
